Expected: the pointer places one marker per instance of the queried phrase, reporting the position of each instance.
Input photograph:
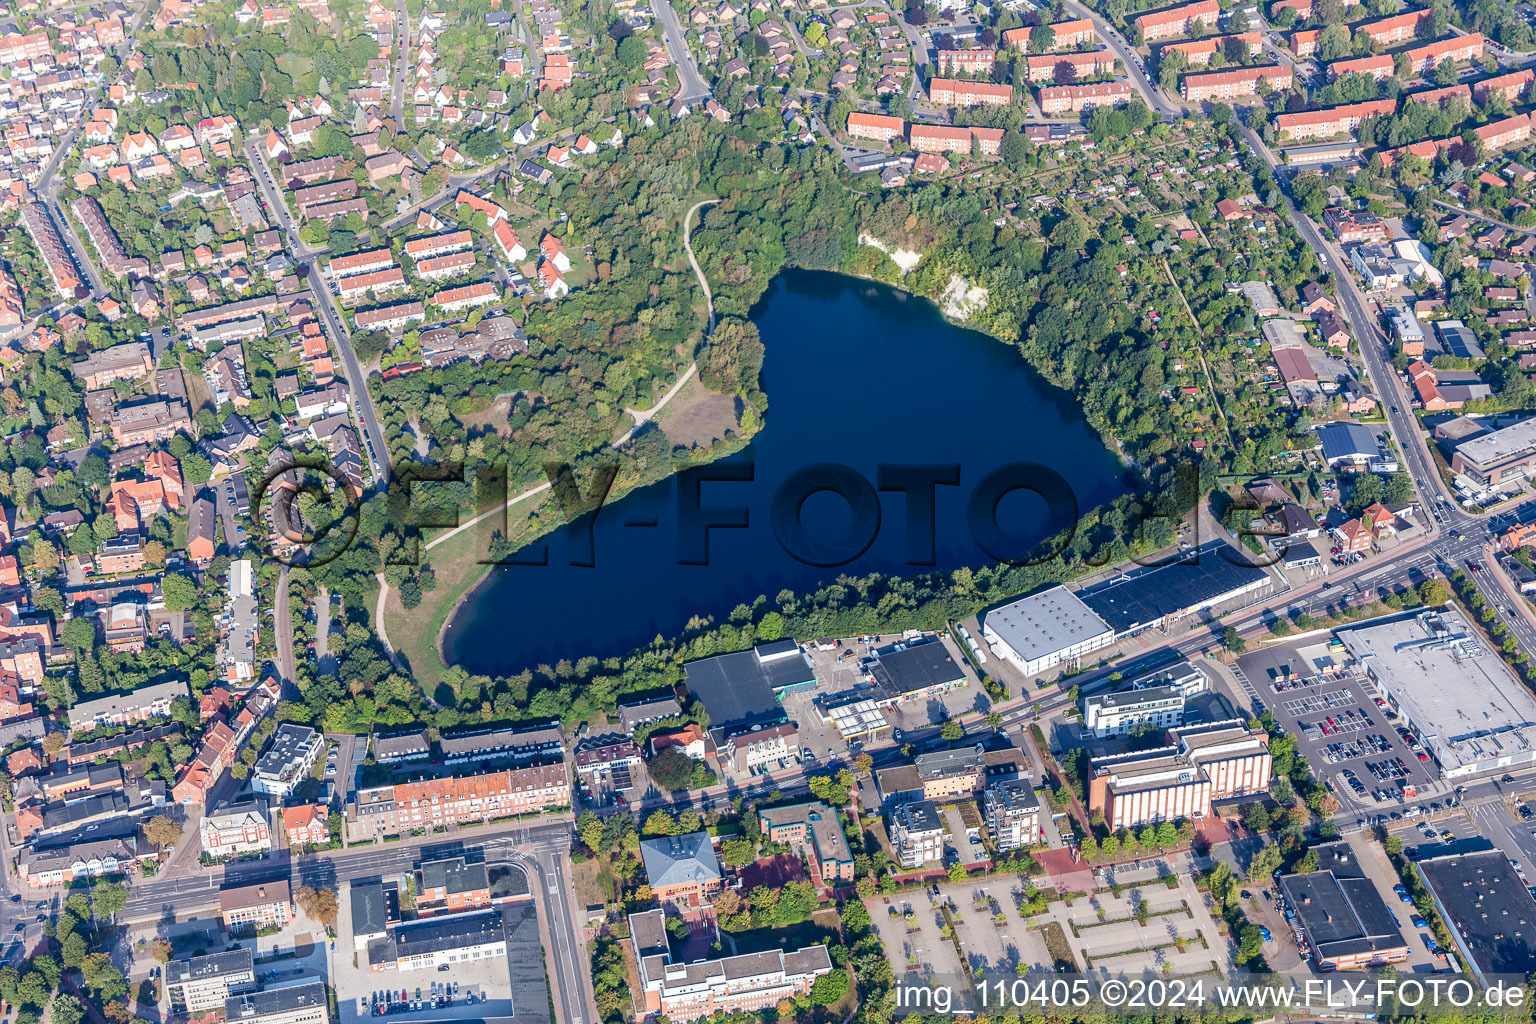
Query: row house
(438, 245)
(451, 265)
(465, 297)
(507, 243)
(380, 811)
(1225, 85)
(390, 318)
(360, 263)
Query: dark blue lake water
(857, 374)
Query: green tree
(632, 52)
(952, 730)
(179, 592)
(671, 770)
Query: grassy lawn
(824, 927)
(414, 632)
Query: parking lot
(1354, 743)
(909, 926)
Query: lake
(857, 374)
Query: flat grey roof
(1490, 909)
(1500, 445)
(1467, 705)
(1042, 624)
(214, 965)
(278, 1000)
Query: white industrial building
(1039, 632)
(1469, 710)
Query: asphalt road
(373, 433)
(402, 65)
(1150, 93)
(693, 88)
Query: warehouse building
(1340, 915)
(1486, 906)
(1215, 575)
(1471, 712)
(744, 689)
(1037, 633)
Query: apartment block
(1075, 99)
(1199, 52)
(1044, 67)
(1225, 85)
(1396, 28)
(976, 62)
(1012, 814)
(1511, 86)
(129, 361)
(879, 127)
(1377, 67)
(1322, 124)
(1177, 21)
(393, 810)
(959, 93)
(236, 829)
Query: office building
(205, 982)
(811, 829)
(434, 942)
(682, 869)
(304, 1003)
(1116, 714)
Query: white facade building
(1044, 630)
